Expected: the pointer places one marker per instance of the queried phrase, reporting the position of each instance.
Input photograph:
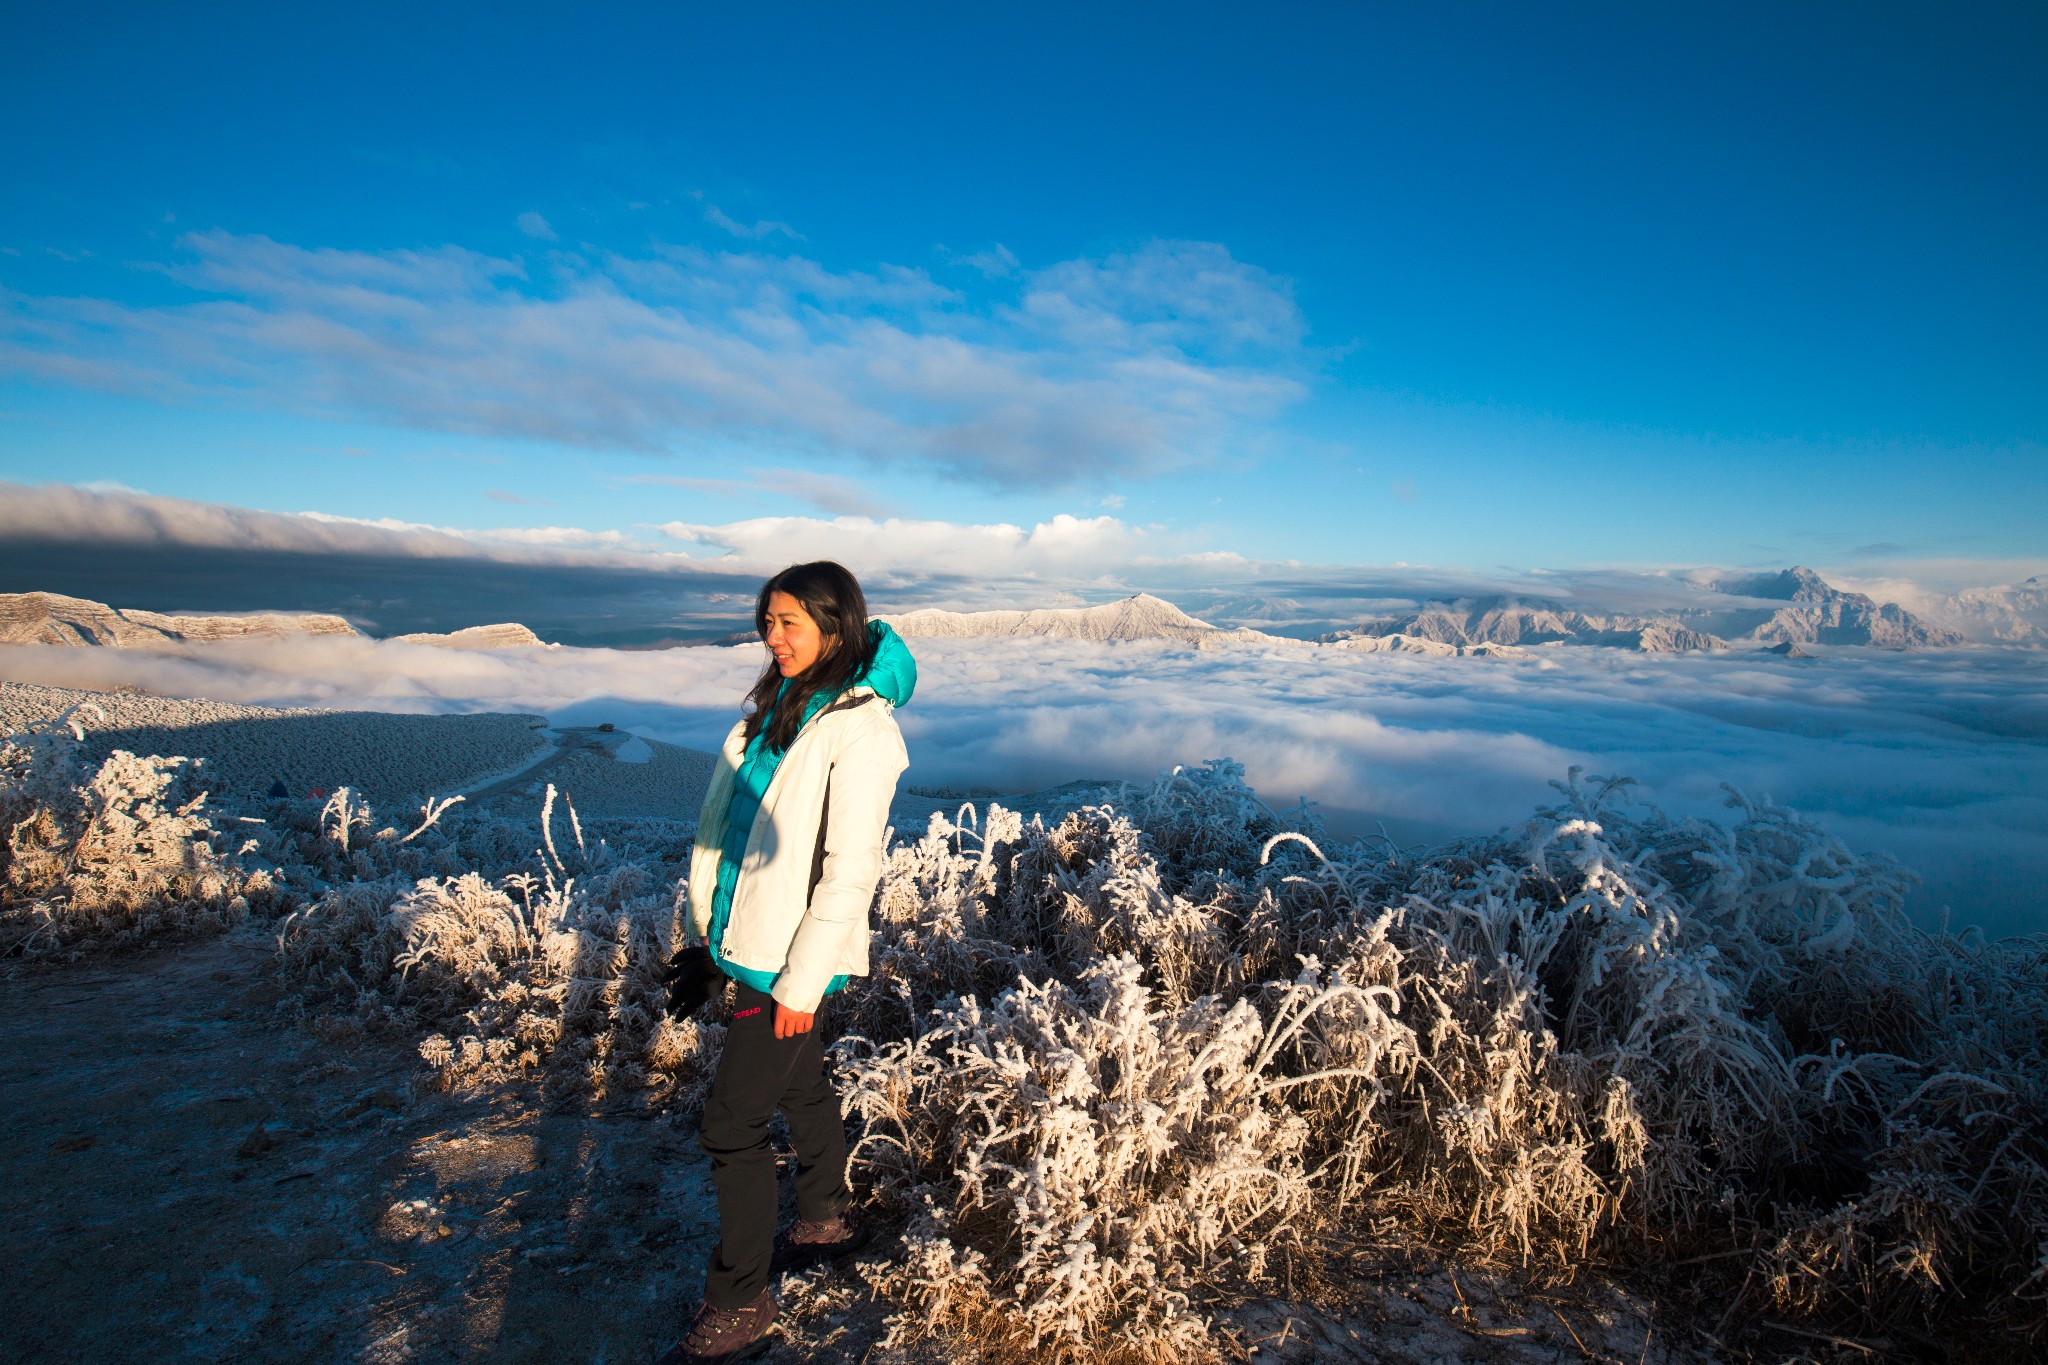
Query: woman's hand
(788, 1023)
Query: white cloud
(107, 516)
(1134, 363)
(826, 492)
(119, 518)
(1065, 546)
(533, 225)
(995, 263)
(1190, 297)
(833, 493)
(566, 537)
(767, 227)
(1922, 585)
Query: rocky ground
(191, 1178)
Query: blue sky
(1475, 286)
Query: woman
(789, 847)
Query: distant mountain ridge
(1140, 617)
(2016, 613)
(1794, 607)
(1504, 621)
(1814, 612)
(505, 635)
(49, 618)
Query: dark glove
(690, 978)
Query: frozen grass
(117, 856)
(1118, 1073)
(1606, 1035)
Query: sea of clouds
(1939, 759)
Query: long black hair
(832, 598)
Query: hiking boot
(807, 1243)
(722, 1336)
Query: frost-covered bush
(321, 844)
(133, 849)
(1084, 1164)
(1608, 1033)
(962, 911)
(114, 856)
(1908, 1181)
(538, 973)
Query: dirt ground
(185, 1175)
(187, 1178)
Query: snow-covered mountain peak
(1144, 612)
(1796, 584)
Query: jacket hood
(893, 674)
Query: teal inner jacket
(893, 676)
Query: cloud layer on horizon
(57, 513)
(1134, 362)
(1936, 759)
(133, 549)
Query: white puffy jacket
(800, 909)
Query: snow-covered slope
(1143, 617)
(48, 618)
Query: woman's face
(792, 636)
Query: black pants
(759, 1073)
